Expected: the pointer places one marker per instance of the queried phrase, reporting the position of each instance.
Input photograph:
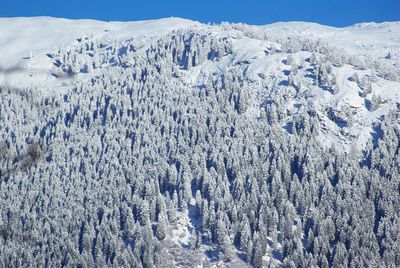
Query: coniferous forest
(132, 165)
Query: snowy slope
(30, 47)
(25, 42)
(362, 37)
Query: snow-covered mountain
(172, 142)
(281, 60)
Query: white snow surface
(26, 43)
(358, 38)
(20, 36)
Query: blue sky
(330, 12)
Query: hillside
(175, 143)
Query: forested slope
(202, 145)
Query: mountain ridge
(248, 43)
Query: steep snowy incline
(348, 77)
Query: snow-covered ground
(26, 42)
(379, 38)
